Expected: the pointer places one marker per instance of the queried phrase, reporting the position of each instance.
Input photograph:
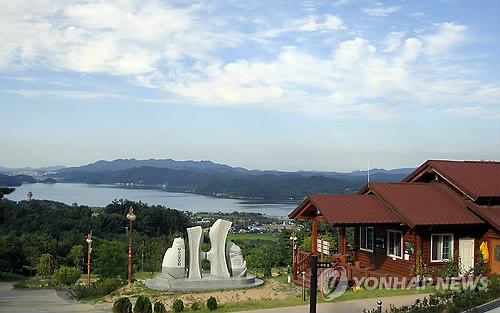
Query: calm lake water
(102, 195)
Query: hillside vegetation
(208, 178)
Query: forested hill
(206, 177)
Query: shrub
(178, 305)
(122, 305)
(100, 288)
(195, 306)
(212, 303)
(66, 275)
(143, 305)
(452, 301)
(159, 307)
(493, 284)
(479, 268)
(452, 268)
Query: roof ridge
(465, 161)
(400, 183)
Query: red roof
(489, 213)
(475, 178)
(425, 203)
(346, 209)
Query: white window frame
(366, 239)
(389, 253)
(452, 246)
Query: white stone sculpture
(217, 254)
(174, 261)
(196, 256)
(228, 269)
(235, 262)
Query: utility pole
(131, 217)
(89, 249)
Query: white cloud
(355, 81)
(416, 14)
(448, 36)
(116, 37)
(380, 11)
(312, 23)
(70, 94)
(198, 58)
(393, 41)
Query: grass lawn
(293, 301)
(279, 284)
(145, 275)
(267, 301)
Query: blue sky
(289, 85)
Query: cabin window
(366, 238)
(441, 247)
(395, 243)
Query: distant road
(39, 300)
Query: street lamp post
(89, 249)
(131, 217)
(293, 238)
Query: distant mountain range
(209, 178)
(30, 169)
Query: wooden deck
(352, 272)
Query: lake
(102, 195)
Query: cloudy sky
(289, 85)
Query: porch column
(343, 248)
(314, 236)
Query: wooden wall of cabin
(480, 233)
(378, 260)
(492, 237)
(421, 239)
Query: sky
(286, 85)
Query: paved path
(39, 300)
(351, 306)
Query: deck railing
(353, 272)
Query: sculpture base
(205, 283)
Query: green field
(250, 237)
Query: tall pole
(314, 236)
(89, 249)
(293, 238)
(314, 283)
(130, 254)
(131, 217)
(314, 267)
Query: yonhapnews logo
(333, 283)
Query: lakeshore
(102, 195)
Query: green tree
(66, 275)
(263, 258)
(75, 255)
(5, 191)
(45, 266)
(111, 259)
(154, 252)
(12, 257)
(307, 243)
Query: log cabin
(441, 209)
